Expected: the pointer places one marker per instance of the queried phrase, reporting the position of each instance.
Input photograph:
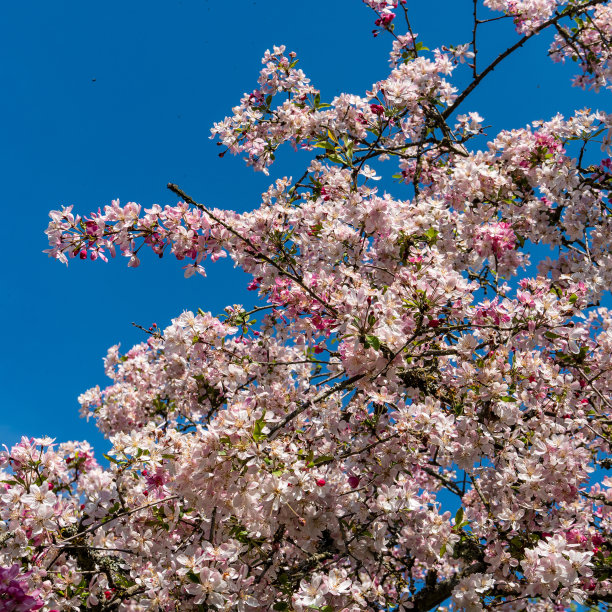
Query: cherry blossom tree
(302, 454)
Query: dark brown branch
(570, 11)
(432, 596)
(343, 385)
(179, 192)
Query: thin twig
(342, 385)
(570, 11)
(178, 191)
(114, 518)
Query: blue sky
(114, 100)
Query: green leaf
(442, 550)
(111, 459)
(336, 159)
(193, 576)
(573, 298)
(350, 150)
(507, 398)
(258, 430)
(320, 460)
(459, 516)
(432, 235)
(373, 341)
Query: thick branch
(432, 596)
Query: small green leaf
(336, 159)
(459, 516)
(111, 459)
(258, 430)
(193, 576)
(320, 460)
(432, 235)
(373, 341)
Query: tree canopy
(405, 357)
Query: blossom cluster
(587, 42)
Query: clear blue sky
(115, 99)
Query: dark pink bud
(353, 481)
(83, 254)
(597, 540)
(320, 482)
(254, 284)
